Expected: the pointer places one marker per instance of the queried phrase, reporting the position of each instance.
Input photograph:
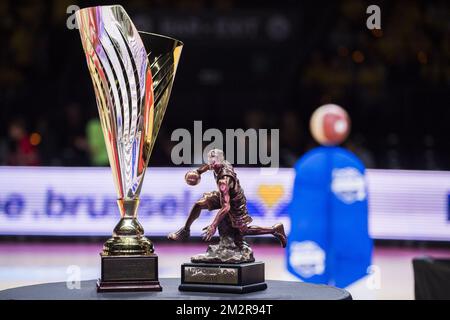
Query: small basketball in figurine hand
(192, 178)
(330, 125)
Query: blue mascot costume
(329, 241)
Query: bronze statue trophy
(228, 266)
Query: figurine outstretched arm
(224, 187)
(202, 169)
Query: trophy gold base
(128, 259)
(226, 278)
(129, 273)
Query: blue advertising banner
(403, 204)
(82, 201)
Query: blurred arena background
(245, 64)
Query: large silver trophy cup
(132, 74)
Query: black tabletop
(277, 290)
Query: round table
(277, 290)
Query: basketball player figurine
(218, 269)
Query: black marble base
(227, 278)
(129, 273)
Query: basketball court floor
(26, 263)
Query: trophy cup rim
(179, 43)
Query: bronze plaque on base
(219, 277)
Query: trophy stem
(128, 235)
